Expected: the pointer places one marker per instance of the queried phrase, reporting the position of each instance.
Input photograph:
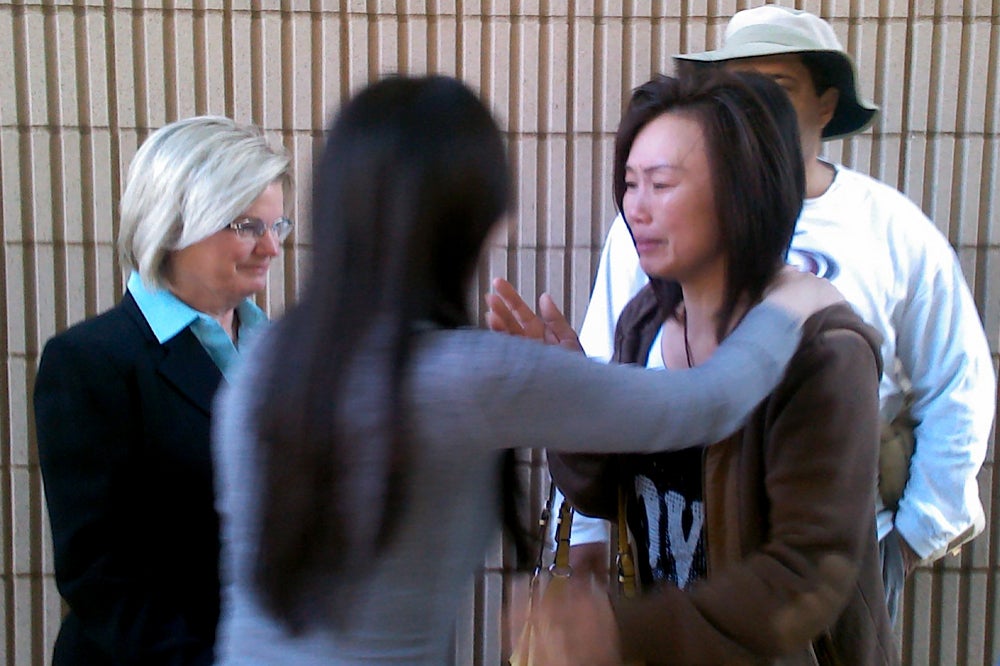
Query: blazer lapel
(189, 368)
(183, 362)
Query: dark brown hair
(757, 169)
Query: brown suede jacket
(793, 567)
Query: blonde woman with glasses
(122, 401)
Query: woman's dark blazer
(123, 439)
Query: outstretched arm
(799, 294)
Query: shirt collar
(166, 314)
(252, 321)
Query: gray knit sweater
(471, 394)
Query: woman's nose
(268, 244)
(634, 207)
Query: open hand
(910, 558)
(510, 314)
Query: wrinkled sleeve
(567, 404)
(943, 350)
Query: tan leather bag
(548, 586)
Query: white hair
(188, 180)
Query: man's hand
(910, 558)
(510, 314)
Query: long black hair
(758, 175)
(413, 178)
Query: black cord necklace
(687, 345)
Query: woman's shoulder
(837, 317)
(114, 333)
(838, 329)
(118, 319)
(643, 305)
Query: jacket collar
(181, 361)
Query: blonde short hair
(188, 180)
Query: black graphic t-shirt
(666, 514)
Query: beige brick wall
(83, 82)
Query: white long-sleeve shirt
(903, 278)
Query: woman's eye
(629, 185)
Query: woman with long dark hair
(762, 546)
(363, 454)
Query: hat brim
(852, 115)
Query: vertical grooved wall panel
(84, 83)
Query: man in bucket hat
(891, 264)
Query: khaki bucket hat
(773, 30)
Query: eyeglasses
(254, 227)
